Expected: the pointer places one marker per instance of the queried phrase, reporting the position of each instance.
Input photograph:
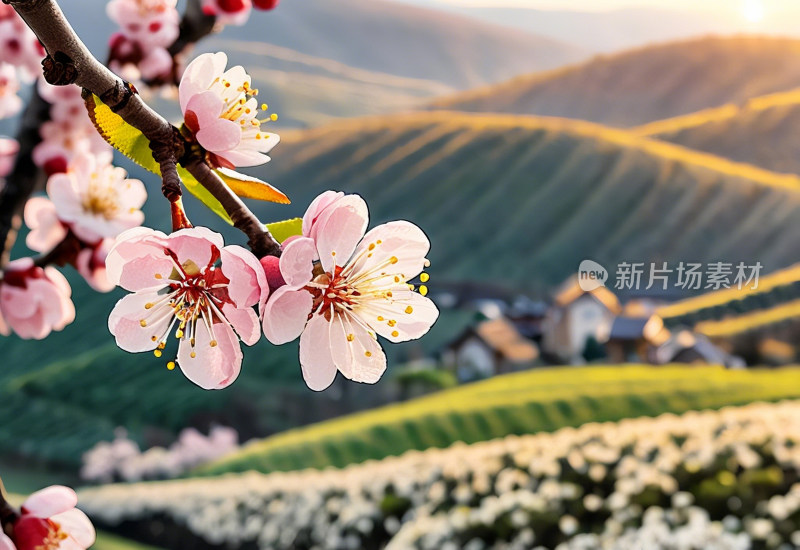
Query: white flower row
(639, 483)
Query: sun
(753, 10)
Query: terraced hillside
(507, 201)
(648, 84)
(761, 131)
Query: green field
(526, 402)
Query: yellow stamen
(171, 365)
(423, 290)
(424, 277)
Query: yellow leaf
(251, 188)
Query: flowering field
(727, 479)
(521, 403)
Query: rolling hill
(761, 131)
(507, 201)
(647, 84)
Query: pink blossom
(228, 12)
(220, 108)
(46, 230)
(91, 264)
(177, 284)
(10, 102)
(6, 543)
(18, 45)
(50, 520)
(148, 28)
(8, 154)
(35, 301)
(343, 288)
(96, 200)
(69, 132)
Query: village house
(577, 318)
(489, 348)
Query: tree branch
(261, 242)
(8, 514)
(70, 62)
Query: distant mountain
(316, 60)
(407, 41)
(647, 84)
(507, 201)
(763, 131)
(602, 31)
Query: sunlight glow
(753, 10)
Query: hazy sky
(752, 8)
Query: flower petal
(220, 136)
(125, 321)
(316, 207)
(5, 542)
(248, 281)
(355, 351)
(244, 321)
(199, 76)
(339, 229)
(400, 240)
(77, 526)
(212, 367)
(285, 314)
(316, 361)
(50, 501)
(297, 262)
(46, 229)
(405, 316)
(137, 243)
(198, 244)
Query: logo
(591, 275)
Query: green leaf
(285, 229)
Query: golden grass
(502, 122)
(717, 114)
(750, 321)
(766, 284)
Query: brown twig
(8, 514)
(261, 242)
(70, 62)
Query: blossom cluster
(48, 519)
(20, 59)
(88, 206)
(334, 286)
(715, 479)
(122, 459)
(235, 12)
(68, 133)
(139, 50)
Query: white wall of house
(474, 360)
